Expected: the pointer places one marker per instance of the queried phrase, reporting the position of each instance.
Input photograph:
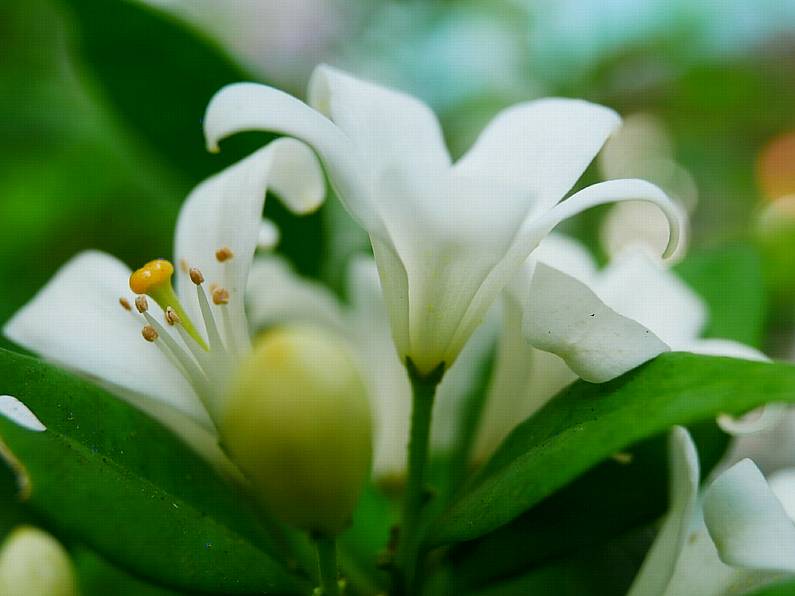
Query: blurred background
(103, 99)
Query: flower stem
(327, 564)
(423, 392)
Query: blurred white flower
(280, 39)
(740, 538)
(85, 318)
(447, 236)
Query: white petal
(747, 522)
(782, 483)
(612, 191)
(639, 287)
(567, 255)
(226, 211)
(563, 316)
(446, 234)
(542, 147)
(20, 414)
(76, 321)
(523, 381)
(386, 126)
(660, 562)
(386, 376)
(395, 285)
(269, 235)
(248, 106)
(636, 225)
(278, 295)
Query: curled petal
(535, 229)
(249, 106)
(612, 191)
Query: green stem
(327, 564)
(423, 392)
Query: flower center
(205, 363)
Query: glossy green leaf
(106, 474)
(587, 423)
(731, 282)
(613, 497)
(158, 74)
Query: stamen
(125, 304)
(209, 321)
(150, 333)
(184, 363)
(220, 296)
(154, 280)
(172, 318)
(224, 254)
(141, 304)
(212, 287)
(196, 276)
(183, 265)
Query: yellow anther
(183, 265)
(151, 276)
(220, 296)
(172, 318)
(141, 304)
(224, 254)
(149, 333)
(196, 276)
(125, 304)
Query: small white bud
(33, 562)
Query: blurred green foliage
(101, 123)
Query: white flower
(447, 236)
(86, 319)
(740, 538)
(278, 296)
(564, 319)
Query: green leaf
(784, 587)
(611, 498)
(106, 474)
(731, 282)
(159, 75)
(97, 577)
(587, 423)
(606, 571)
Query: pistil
(154, 280)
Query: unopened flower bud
(33, 562)
(297, 422)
